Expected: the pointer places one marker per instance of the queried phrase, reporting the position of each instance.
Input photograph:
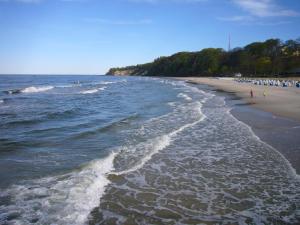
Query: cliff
(140, 70)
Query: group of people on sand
(252, 93)
(271, 82)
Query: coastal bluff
(127, 71)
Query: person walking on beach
(251, 93)
(265, 93)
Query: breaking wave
(36, 89)
(153, 146)
(63, 199)
(92, 91)
(184, 96)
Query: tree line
(272, 57)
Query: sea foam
(63, 199)
(36, 89)
(92, 91)
(157, 144)
(185, 96)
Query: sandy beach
(284, 102)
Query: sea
(134, 150)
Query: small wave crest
(108, 127)
(185, 96)
(153, 146)
(92, 91)
(36, 89)
(68, 86)
(77, 193)
(111, 82)
(108, 82)
(11, 92)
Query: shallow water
(107, 150)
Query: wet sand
(284, 102)
(281, 133)
(275, 119)
(214, 172)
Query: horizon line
(50, 74)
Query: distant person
(251, 93)
(265, 93)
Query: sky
(90, 36)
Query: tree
(269, 58)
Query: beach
(284, 102)
(142, 150)
(274, 118)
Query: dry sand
(284, 102)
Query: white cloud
(260, 12)
(264, 8)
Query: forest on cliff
(272, 57)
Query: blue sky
(90, 36)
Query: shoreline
(282, 102)
(281, 132)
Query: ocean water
(131, 150)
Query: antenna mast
(229, 43)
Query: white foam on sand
(159, 143)
(36, 89)
(63, 199)
(289, 166)
(154, 145)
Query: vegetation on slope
(270, 58)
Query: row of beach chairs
(270, 82)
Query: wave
(1, 101)
(36, 89)
(288, 165)
(77, 193)
(108, 82)
(67, 86)
(20, 122)
(89, 91)
(31, 89)
(113, 125)
(154, 145)
(185, 96)
(172, 104)
(92, 91)
(80, 126)
(11, 92)
(111, 82)
(61, 114)
(132, 157)
(159, 143)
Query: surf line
(163, 142)
(288, 165)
